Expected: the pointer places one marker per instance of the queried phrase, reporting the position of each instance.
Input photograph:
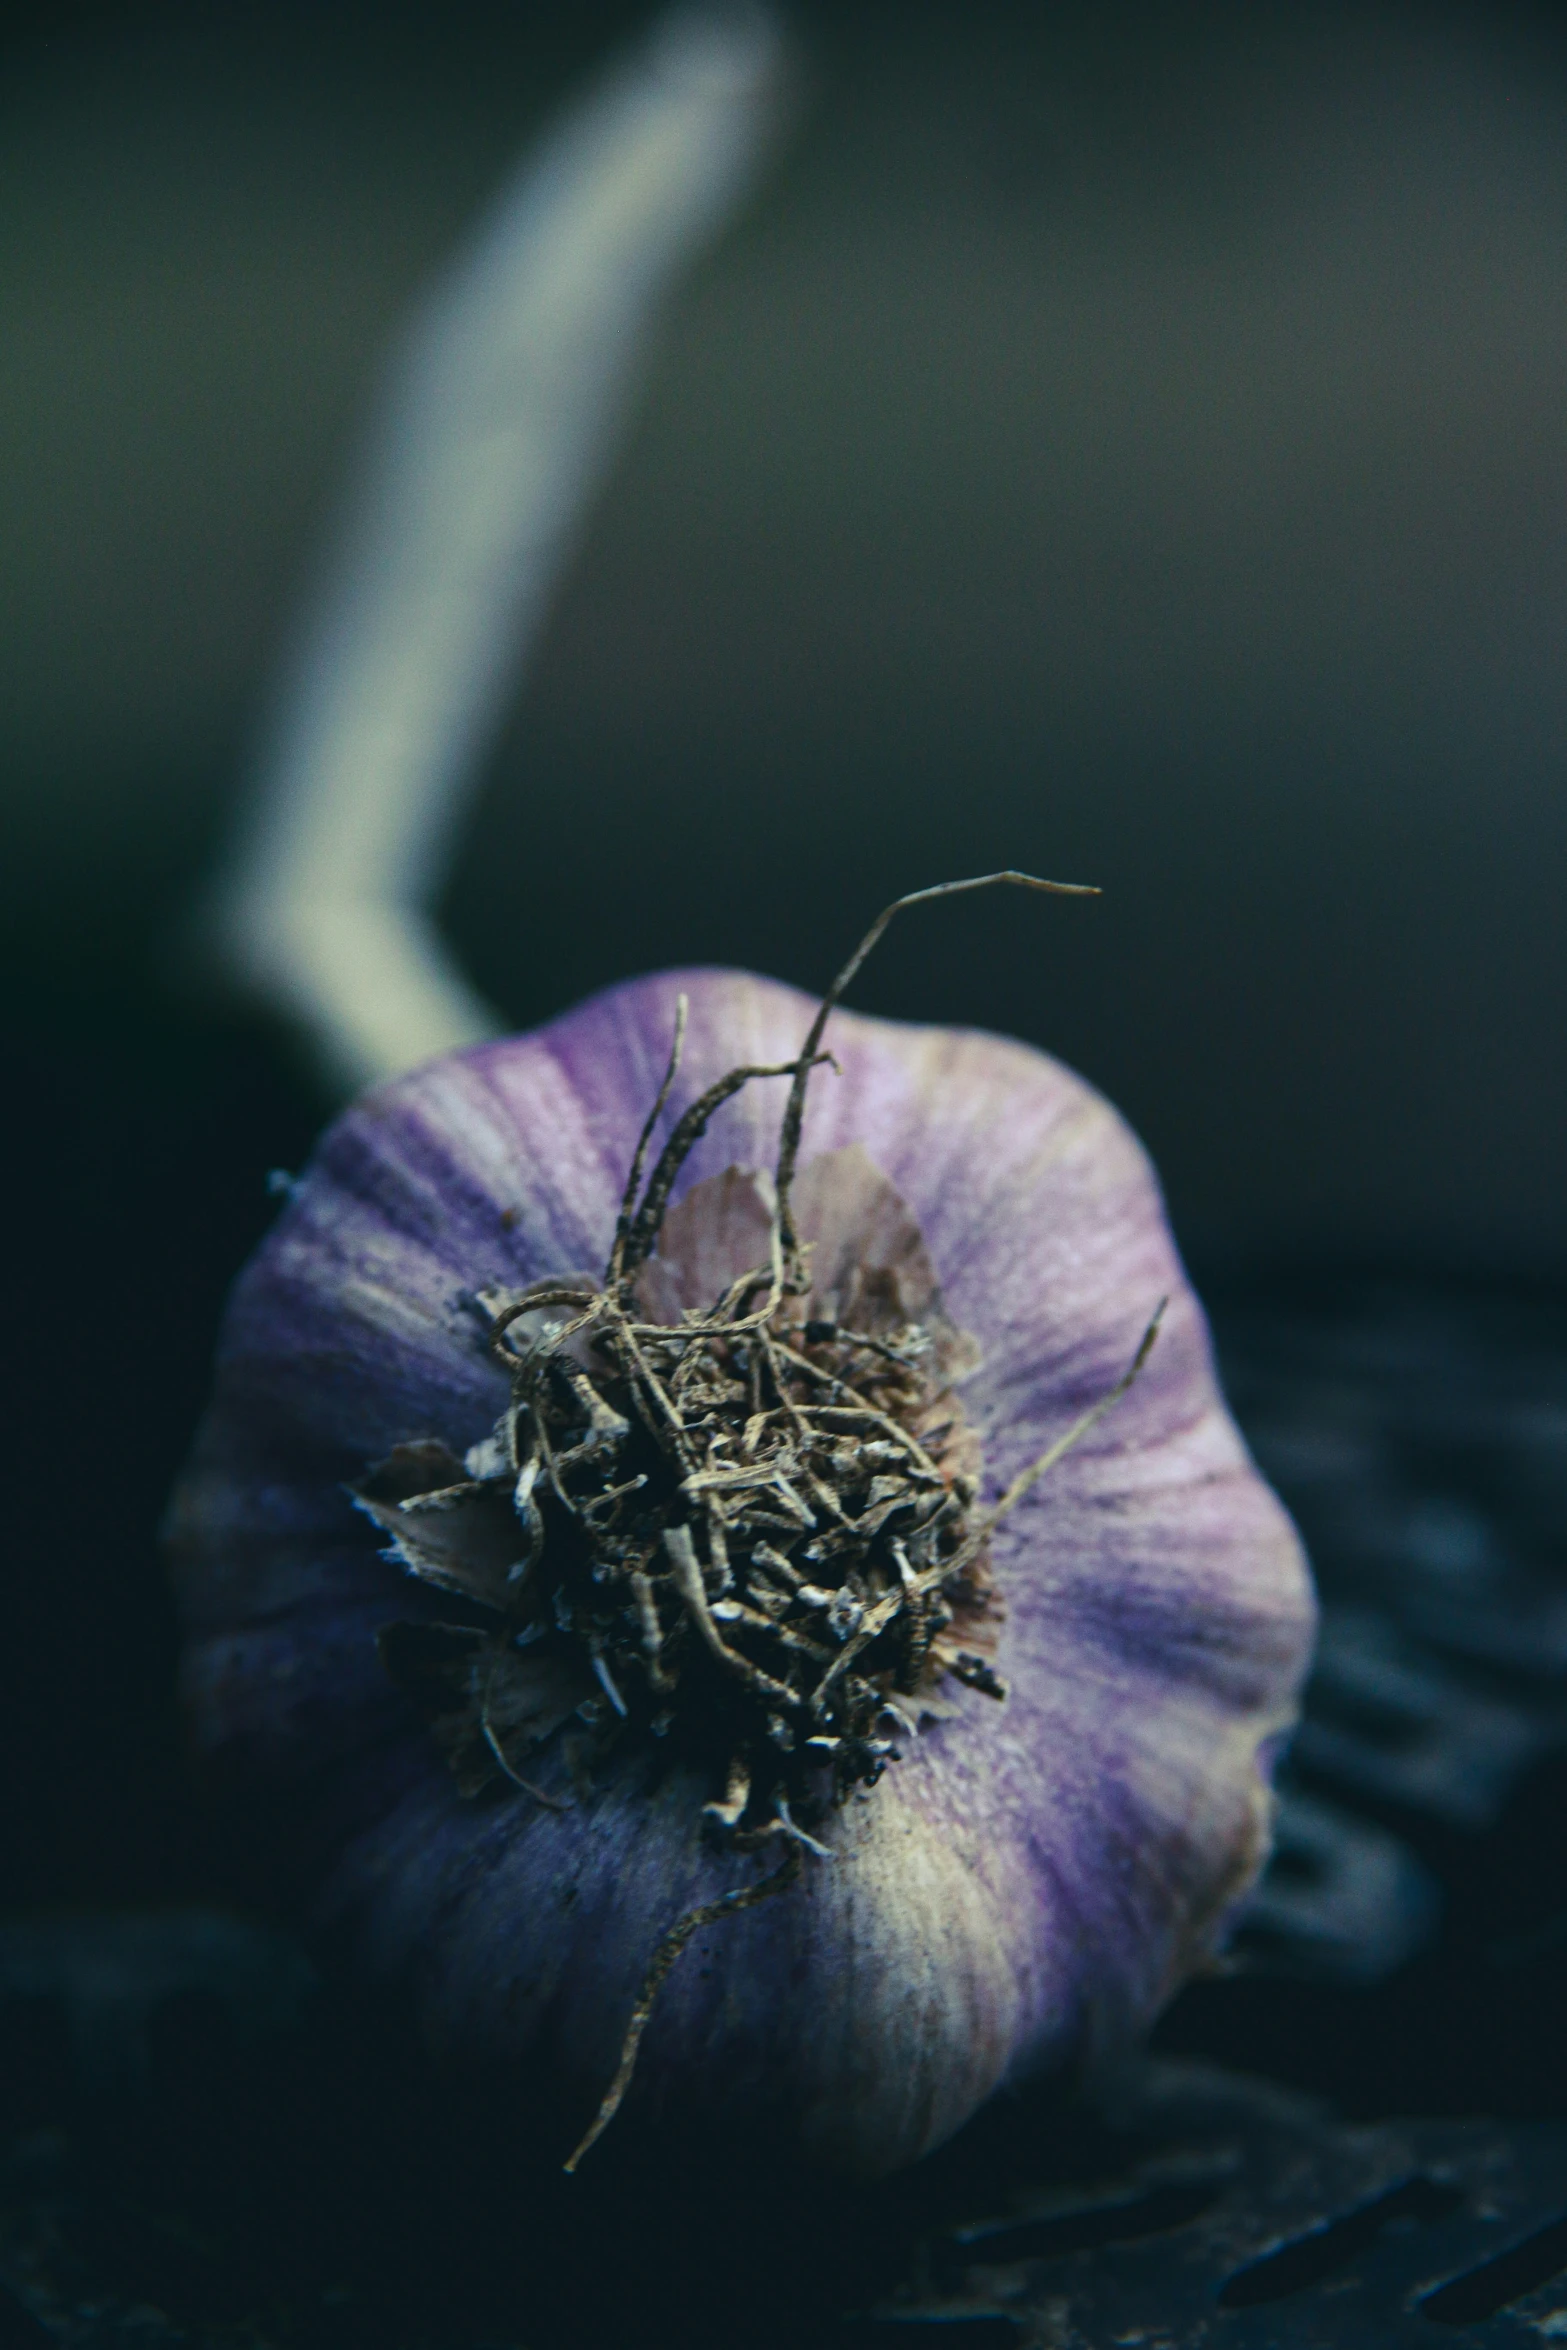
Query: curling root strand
(659, 1967)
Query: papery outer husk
(1033, 1879)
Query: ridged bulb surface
(1030, 1880)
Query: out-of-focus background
(1125, 442)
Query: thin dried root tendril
(794, 1113)
(639, 1155)
(1079, 1429)
(659, 1968)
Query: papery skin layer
(1033, 1879)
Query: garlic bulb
(638, 1663)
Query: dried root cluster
(747, 1530)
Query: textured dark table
(198, 2145)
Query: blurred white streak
(497, 419)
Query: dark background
(1126, 443)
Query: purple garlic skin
(1032, 1880)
